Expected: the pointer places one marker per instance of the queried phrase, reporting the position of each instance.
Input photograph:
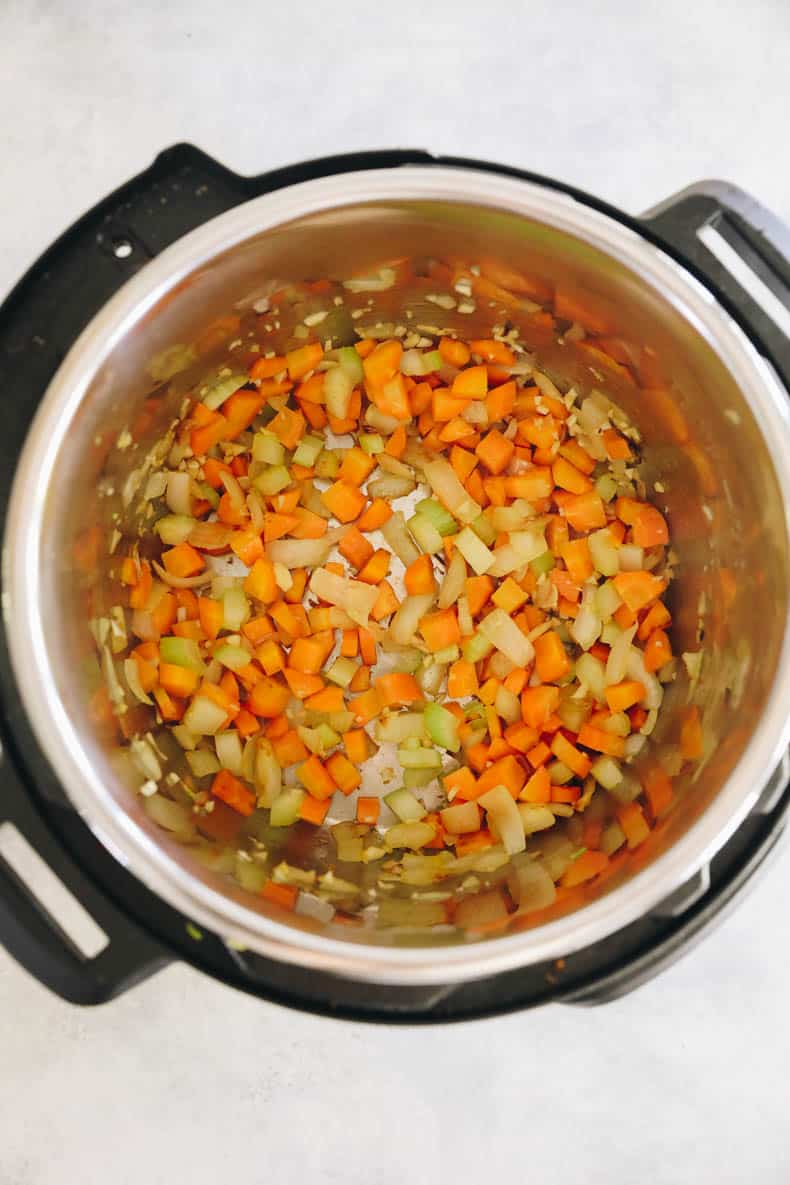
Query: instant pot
(185, 241)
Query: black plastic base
(38, 323)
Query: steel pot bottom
(716, 434)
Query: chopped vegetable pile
(412, 590)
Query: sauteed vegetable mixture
(409, 589)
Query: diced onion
(618, 657)
(503, 812)
(445, 484)
(355, 597)
(454, 581)
(399, 540)
(181, 581)
(304, 553)
(531, 887)
(503, 633)
(179, 496)
(404, 624)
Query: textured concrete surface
(182, 1080)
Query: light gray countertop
(186, 1081)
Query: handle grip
(750, 237)
(34, 937)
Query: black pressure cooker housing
(39, 321)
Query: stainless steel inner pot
(721, 468)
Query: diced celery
(235, 608)
(483, 529)
(267, 449)
(267, 775)
(409, 835)
(432, 360)
(606, 772)
(181, 652)
(542, 564)
(449, 654)
(272, 480)
(327, 465)
(202, 762)
(307, 451)
(425, 533)
(415, 779)
(559, 773)
(251, 874)
(286, 806)
(403, 804)
(342, 671)
(351, 363)
(184, 737)
(349, 840)
(442, 727)
(208, 494)
(419, 758)
(476, 647)
(606, 487)
(173, 529)
(474, 551)
(371, 443)
(603, 553)
(399, 727)
(437, 515)
(607, 598)
(535, 817)
(612, 839)
(232, 657)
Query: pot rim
(135, 849)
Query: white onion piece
(502, 810)
(503, 633)
(179, 492)
(408, 616)
(635, 669)
(181, 581)
(453, 583)
(234, 490)
(444, 482)
(531, 887)
(132, 673)
(618, 657)
(399, 539)
(304, 553)
(354, 596)
(210, 536)
(229, 751)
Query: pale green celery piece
(415, 779)
(412, 742)
(484, 530)
(173, 529)
(329, 738)
(403, 803)
(232, 657)
(436, 514)
(338, 387)
(307, 451)
(543, 564)
(419, 758)
(327, 465)
(606, 487)
(432, 360)
(202, 762)
(351, 363)
(267, 449)
(222, 388)
(427, 537)
(181, 652)
(342, 671)
(449, 654)
(474, 551)
(208, 493)
(272, 480)
(371, 443)
(442, 727)
(235, 608)
(286, 806)
(476, 647)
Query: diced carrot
(260, 582)
(631, 818)
(366, 706)
(285, 896)
(328, 700)
(551, 660)
(569, 478)
(357, 746)
(658, 651)
(357, 466)
(578, 456)
(507, 772)
(440, 629)
(492, 351)
(343, 772)
(345, 501)
(368, 810)
(657, 786)
(396, 445)
(367, 647)
(268, 698)
(302, 684)
(650, 528)
(313, 810)
(376, 568)
(500, 402)
(277, 525)
(479, 590)
(533, 485)
(419, 577)
(383, 362)
(183, 560)
(398, 689)
(462, 679)
(584, 868)
(585, 512)
(538, 786)
(495, 451)
(177, 681)
(638, 589)
(288, 748)
(538, 704)
(316, 778)
(576, 554)
(691, 735)
(267, 368)
(622, 696)
(233, 792)
(308, 525)
(247, 545)
(566, 794)
(471, 383)
(375, 516)
(656, 618)
(454, 353)
(446, 408)
(301, 361)
(567, 753)
(601, 741)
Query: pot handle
(742, 250)
(103, 952)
